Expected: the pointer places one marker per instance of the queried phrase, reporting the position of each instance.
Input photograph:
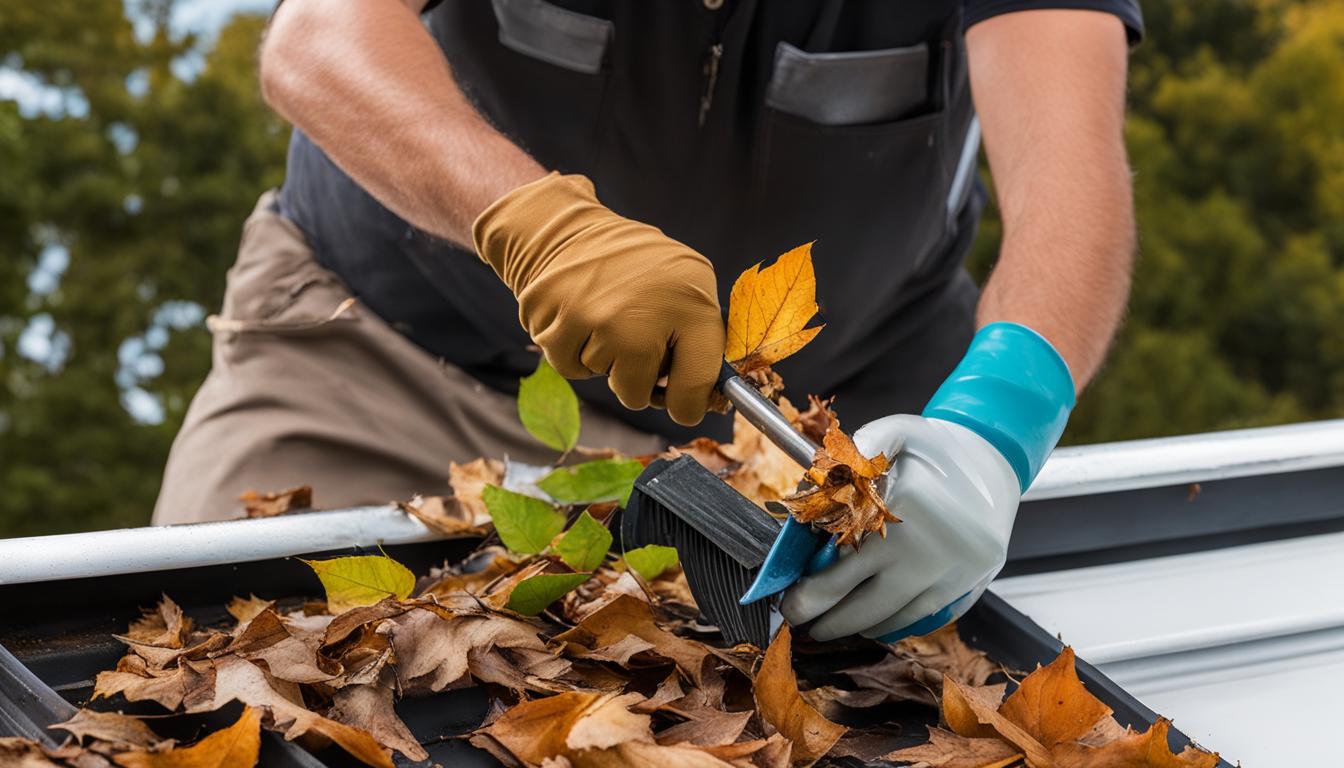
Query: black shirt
(741, 128)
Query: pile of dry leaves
(588, 658)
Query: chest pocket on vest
(556, 82)
(850, 153)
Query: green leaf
(585, 544)
(363, 580)
(534, 593)
(602, 480)
(526, 525)
(649, 562)
(548, 407)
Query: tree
(142, 172)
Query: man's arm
(369, 85)
(599, 293)
(1049, 86)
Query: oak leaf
(769, 309)
(237, 746)
(781, 705)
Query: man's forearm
(368, 85)
(1049, 87)
(1064, 271)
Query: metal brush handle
(765, 416)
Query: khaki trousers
(308, 387)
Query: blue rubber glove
(960, 471)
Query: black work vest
(740, 128)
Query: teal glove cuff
(1013, 389)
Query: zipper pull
(711, 77)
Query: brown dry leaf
(370, 707)
(948, 750)
(164, 626)
(946, 653)
(973, 713)
(446, 514)
(769, 309)
(644, 753)
(1135, 750)
(237, 746)
(136, 681)
(16, 752)
(298, 499)
(433, 651)
(845, 500)
(779, 703)
(1054, 721)
(244, 610)
(895, 678)
(606, 584)
(288, 656)
(469, 480)
(560, 725)
(625, 616)
(1052, 705)
(237, 679)
(472, 576)
(718, 729)
(115, 729)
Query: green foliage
(362, 580)
(1237, 316)
(525, 524)
(548, 408)
(651, 560)
(593, 481)
(534, 593)
(153, 221)
(584, 546)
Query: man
(601, 172)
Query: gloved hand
(959, 476)
(604, 295)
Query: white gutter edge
(132, 550)
(1153, 463)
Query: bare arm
(1049, 87)
(368, 85)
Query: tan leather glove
(604, 295)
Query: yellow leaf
(364, 580)
(237, 746)
(769, 309)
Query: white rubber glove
(957, 496)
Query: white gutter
(1076, 471)
(1133, 464)
(131, 550)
